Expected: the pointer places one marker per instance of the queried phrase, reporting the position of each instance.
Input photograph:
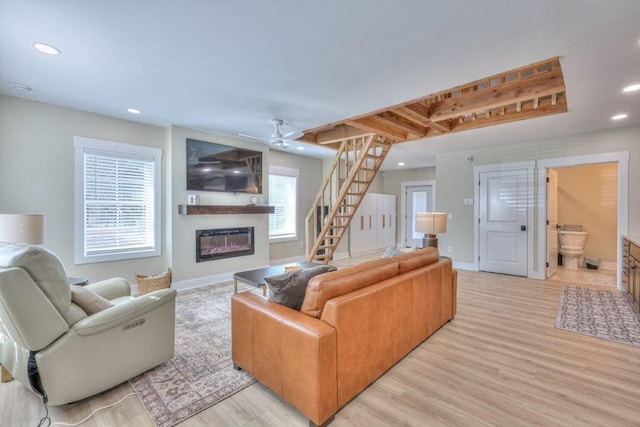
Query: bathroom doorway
(583, 202)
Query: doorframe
(403, 205)
(529, 165)
(619, 157)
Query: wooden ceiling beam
(419, 113)
(404, 124)
(339, 133)
(528, 111)
(518, 90)
(518, 94)
(375, 125)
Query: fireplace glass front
(224, 243)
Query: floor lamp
(22, 228)
(431, 223)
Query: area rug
(201, 373)
(598, 313)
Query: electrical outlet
(468, 202)
(450, 249)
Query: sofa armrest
(291, 353)
(122, 313)
(111, 288)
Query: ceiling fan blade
(292, 135)
(252, 137)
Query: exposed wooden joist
(339, 133)
(518, 94)
(527, 88)
(393, 120)
(374, 124)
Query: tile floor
(606, 278)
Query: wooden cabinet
(631, 271)
(374, 224)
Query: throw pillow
(391, 251)
(289, 288)
(88, 300)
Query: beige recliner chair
(53, 347)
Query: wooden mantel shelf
(223, 209)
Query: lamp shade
(431, 222)
(22, 228)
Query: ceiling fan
(276, 137)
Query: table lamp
(22, 228)
(431, 223)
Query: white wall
(454, 177)
(36, 174)
(183, 227)
(309, 182)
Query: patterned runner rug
(598, 313)
(201, 373)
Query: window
(117, 201)
(283, 195)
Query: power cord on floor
(45, 419)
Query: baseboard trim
(287, 260)
(465, 266)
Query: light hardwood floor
(499, 362)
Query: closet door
(362, 232)
(386, 220)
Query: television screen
(217, 167)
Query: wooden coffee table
(256, 277)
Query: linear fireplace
(224, 243)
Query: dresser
(631, 270)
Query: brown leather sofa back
(378, 325)
(330, 285)
(414, 260)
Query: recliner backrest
(26, 313)
(47, 272)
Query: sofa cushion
(331, 285)
(413, 260)
(289, 288)
(88, 300)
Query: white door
(503, 222)
(418, 199)
(552, 222)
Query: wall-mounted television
(218, 167)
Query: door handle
(523, 228)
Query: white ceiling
(230, 66)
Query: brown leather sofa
(354, 324)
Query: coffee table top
(256, 277)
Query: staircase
(357, 161)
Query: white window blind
(118, 205)
(283, 196)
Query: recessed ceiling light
(46, 48)
(619, 116)
(21, 87)
(400, 163)
(300, 148)
(134, 111)
(236, 171)
(632, 88)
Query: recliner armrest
(111, 288)
(122, 313)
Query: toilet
(571, 247)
